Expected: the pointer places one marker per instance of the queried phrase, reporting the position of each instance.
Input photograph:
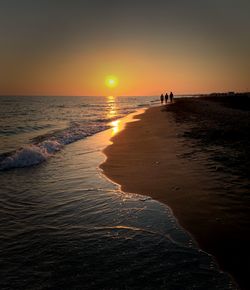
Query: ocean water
(65, 226)
(34, 128)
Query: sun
(111, 81)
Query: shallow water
(65, 226)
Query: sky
(50, 47)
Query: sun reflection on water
(115, 127)
(112, 113)
(112, 110)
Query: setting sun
(111, 81)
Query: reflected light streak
(111, 99)
(115, 127)
(112, 113)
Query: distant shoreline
(179, 95)
(162, 156)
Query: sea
(64, 225)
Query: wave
(9, 130)
(44, 146)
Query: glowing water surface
(65, 226)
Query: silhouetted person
(162, 98)
(171, 96)
(166, 98)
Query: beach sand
(168, 156)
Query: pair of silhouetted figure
(171, 97)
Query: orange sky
(139, 73)
(151, 49)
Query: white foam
(24, 157)
(34, 154)
(50, 146)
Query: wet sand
(159, 157)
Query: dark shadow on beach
(216, 130)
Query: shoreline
(146, 158)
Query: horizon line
(156, 95)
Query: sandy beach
(178, 155)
